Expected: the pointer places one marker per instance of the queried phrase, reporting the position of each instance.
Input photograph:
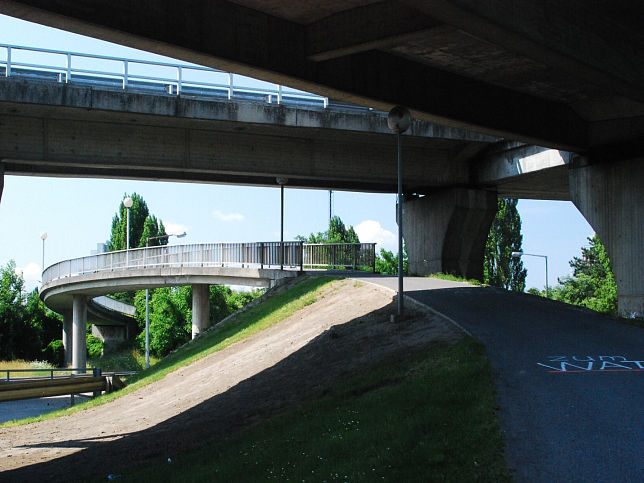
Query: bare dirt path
(346, 329)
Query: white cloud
(371, 231)
(227, 216)
(30, 272)
(174, 228)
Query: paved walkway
(570, 382)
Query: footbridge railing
(290, 255)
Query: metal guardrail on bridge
(290, 254)
(164, 77)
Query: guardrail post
(301, 256)
(179, 79)
(125, 69)
(261, 255)
(279, 93)
(68, 74)
(7, 71)
(230, 85)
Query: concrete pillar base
(79, 344)
(68, 324)
(200, 308)
(610, 196)
(446, 231)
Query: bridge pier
(611, 198)
(79, 343)
(200, 308)
(446, 231)
(68, 324)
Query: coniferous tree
(592, 283)
(500, 269)
(142, 226)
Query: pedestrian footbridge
(69, 285)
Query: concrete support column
(79, 343)
(200, 308)
(446, 231)
(67, 336)
(611, 198)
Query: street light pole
(43, 237)
(520, 254)
(147, 300)
(399, 120)
(127, 202)
(281, 182)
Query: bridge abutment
(611, 198)
(446, 231)
(79, 343)
(68, 324)
(200, 308)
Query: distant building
(100, 248)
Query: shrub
(94, 346)
(54, 353)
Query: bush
(94, 346)
(54, 353)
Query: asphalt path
(570, 382)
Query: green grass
(21, 364)
(428, 416)
(454, 278)
(271, 311)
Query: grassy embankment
(272, 310)
(428, 416)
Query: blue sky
(76, 213)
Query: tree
(27, 327)
(387, 262)
(337, 233)
(592, 283)
(142, 226)
(500, 269)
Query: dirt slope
(225, 391)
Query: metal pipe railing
(246, 255)
(174, 84)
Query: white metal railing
(290, 254)
(67, 67)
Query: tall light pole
(520, 254)
(399, 120)
(127, 202)
(147, 300)
(281, 182)
(43, 237)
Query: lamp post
(281, 182)
(399, 120)
(147, 300)
(43, 237)
(520, 254)
(127, 202)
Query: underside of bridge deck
(560, 74)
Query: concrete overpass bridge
(564, 75)
(69, 285)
